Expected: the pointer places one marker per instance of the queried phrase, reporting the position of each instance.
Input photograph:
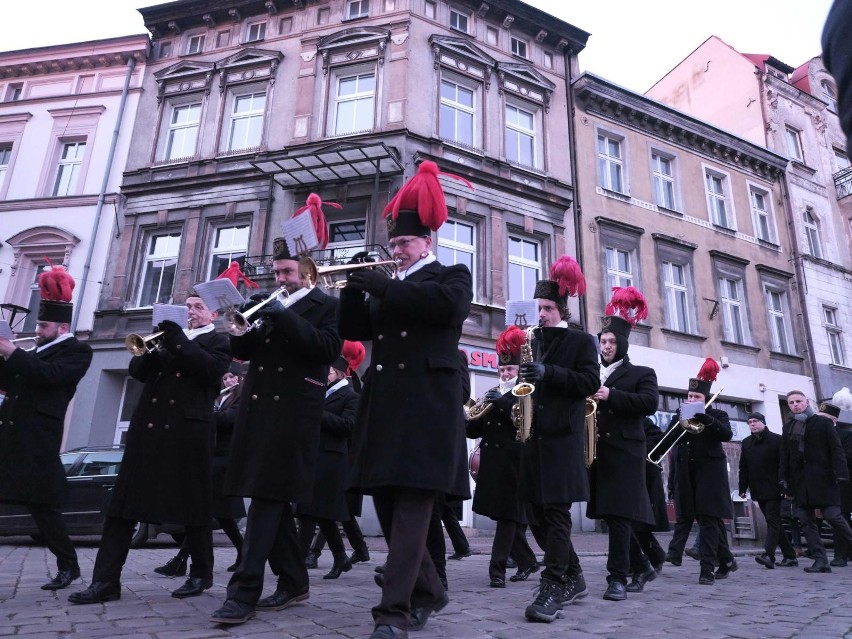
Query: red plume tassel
(566, 272)
(709, 370)
(354, 353)
(511, 340)
(423, 193)
(235, 274)
(314, 204)
(56, 285)
(628, 303)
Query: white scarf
(401, 275)
(59, 338)
(508, 385)
(195, 332)
(340, 384)
(294, 297)
(606, 371)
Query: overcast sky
(633, 42)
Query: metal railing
(843, 182)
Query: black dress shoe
(616, 591)
(380, 568)
(419, 616)
(97, 592)
(692, 553)
(497, 582)
(818, 567)
(788, 562)
(723, 571)
(461, 555)
(62, 579)
(174, 567)
(706, 578)
(193, 587)
(384, 631)
(674, 560)
(360, 556)
(640, 579)
(766, 561)
(233, 612)
(311, 560)
(341, 565)
(281, 599)
(524, 573)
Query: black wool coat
(702, 468)
(654, 479)
(165, 474)
(760, 458)
(618, 473)
(812, 475)
(225, 415)
(276, 439)
(38, 388)
(552, 467)
(497, 487)
(845, 435)
(409, 431)
(338, 420)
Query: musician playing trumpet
(627, 393)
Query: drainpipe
(578, 209)
(131, 64)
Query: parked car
(91, 472)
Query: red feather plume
(314, 204)
(628, 303)
(423, 193)
(56, 285)
(511, 340)
(567, 273)
(354, 353)
(235, 274)
(709, 370)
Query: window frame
(535, 113)
(813, 236)
(343, 250)
(456, 12)
(828, 93)
(680, 254)
(73, 186)
(605, 161)
(725, 198)
(5, 167)
(793, 138)
(519, 47)
(733, 329)
(614, 276)
(834, 335)
(344, 73)
(475, 111)
(768, 212)
(364, 9)
(164, 143)
(660, 179)
(201, 38)
(774, 315)
(523, 263)
(671, 291)
(148, 236)
(622, 237)
(235, 95)
(213, 254)
(261, 25)
(459, 247)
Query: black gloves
(493, 395)
(169, 329)
(703, 418)
(358, 258)
(532, 372)
(268, 311)
(372, 281)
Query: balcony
(843, 182)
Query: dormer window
(256, 32)
(357, 9)
(195, 44)
(459, 21)
(519, 48)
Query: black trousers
(328, 529)
(647, 547)
(713, 544)
(451, 524)
(115, 544)
(510, 538)
(48, 520)
(410, 575)
(353, 534)
(270, 536)
(618, 557)
(810, 530)
(436, 545)
(560, 559)
(775, 535)
(682, 528)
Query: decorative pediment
(184, 77)
(460, 55)
(249, 65)
(524, 81)
(357, 43)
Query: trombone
(25, 343)
(334, 277)
(666, 444)
(240, 323)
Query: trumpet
(334, 277)
(139, 345)
(25, 343)
(670, 440)
(240, 323)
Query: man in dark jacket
(812, 466)
(565, 371)
(165, 475)
(38, 385)
(277, 436)
(627, 394)
(842, 553)
(760, 457)
(649, 548)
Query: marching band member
(497, 491)
(37, 386)
(277, 435)
(409, 438)
(627, 394)
(553, 474)
(165, 475)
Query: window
(183, 131)
(357, 9)
(223, 39)
(457, 112)
(524, 268)
(663, 181)
(285, 26)
(195, 44)
(159, 269)
(794, 144)
(246, 127)
(130, 394)
(520, 136)
(610, 164)
(354, 106)
(229, 245)
(491, 35)
(165, 50)
(324, 15)
(829, 95)
(619, 270)
(29, 323)
(548, 60)
(431, 9)
(14, 92)
(346, 237)
(456, 245)
(5, 158)
(841, 160)
(459, 21)
(776, 306)
(760, 214)
(677, 292)
(731, 297)
(717, 200)
(256, 32)
(68, 170)
(812, 234)
(519, 47)
(835, 336)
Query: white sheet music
(177, 314)
(690, 410)
(6, 330)
(300, 235)
(522, 313)
(218, 294)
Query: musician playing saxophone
(626, 395)
(564, 371)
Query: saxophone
(522, 410)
